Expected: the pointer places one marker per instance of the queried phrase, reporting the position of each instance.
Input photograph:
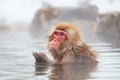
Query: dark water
(17, 62)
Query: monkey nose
(56, 39)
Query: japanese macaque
(66, 45)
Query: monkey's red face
(58, 37)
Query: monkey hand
(41, 58)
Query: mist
(13, 11)
(23, 11)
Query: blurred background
(92, 16)
(24, 25)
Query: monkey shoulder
(78, 58)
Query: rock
(108, 27)
(50, 15)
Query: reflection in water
(68, 71)
(41, 69)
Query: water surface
(17, 62)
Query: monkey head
(57, 38)
(63, 32)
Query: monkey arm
(41, 58)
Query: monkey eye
(59, 33)
(55, 33)
(62, 34)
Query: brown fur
(72, 50)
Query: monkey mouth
(53, 47)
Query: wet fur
(74, 49)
